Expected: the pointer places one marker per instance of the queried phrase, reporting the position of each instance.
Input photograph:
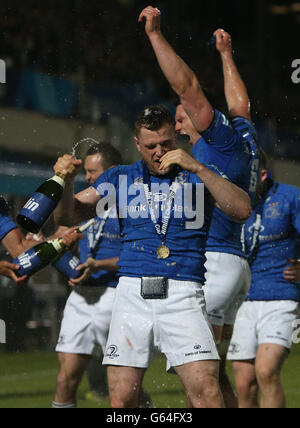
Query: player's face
(184, 125)
(153, 145)
(93, 168)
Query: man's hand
(292, 273)
(68, 166)
(152, 17)
(71, 237)
(88, 268)
(224, 41)
(8, 269)
(181, 158)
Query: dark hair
(264, 159)
(110, 155)
(153, 118)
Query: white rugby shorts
(86, 320)
(177, 326)
(228, 282)
(260, 323)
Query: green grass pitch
(28, 381)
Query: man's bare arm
(229, 198)
(16, 243)
(235, 89)
(182, 79)
(74, 209)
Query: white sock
(64, 406)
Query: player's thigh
(222, 284)
(270, 360)
(125, 381)
(198, 375)
(102, 316)
(73, 365)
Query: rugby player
(88, 310)
(159, 302)
(264, 327)
(230, 144)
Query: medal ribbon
(161, 230)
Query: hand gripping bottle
(42, 204)
(40, 256)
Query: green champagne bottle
(39, 257)
(42, 204)
(42, 255)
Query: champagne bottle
(42, 204)
(39, 257)
(67, 265)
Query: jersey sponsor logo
(272, 212)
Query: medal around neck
(163, 252)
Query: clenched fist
(68, 167)
(224, 41)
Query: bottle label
(58, 180)
(29, 263)
(38, 208)
(67, 265)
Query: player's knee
(266, 375)
(208, 387)
(128, 401)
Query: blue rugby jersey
(231, 146)
(109, 247)
(278, 241)
(6, 223)
(140, 240)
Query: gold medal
(163, 252)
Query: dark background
(102, 42)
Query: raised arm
(182, 79)
(235, 89)
(229, 198)
(74, 209)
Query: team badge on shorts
(112, 352)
